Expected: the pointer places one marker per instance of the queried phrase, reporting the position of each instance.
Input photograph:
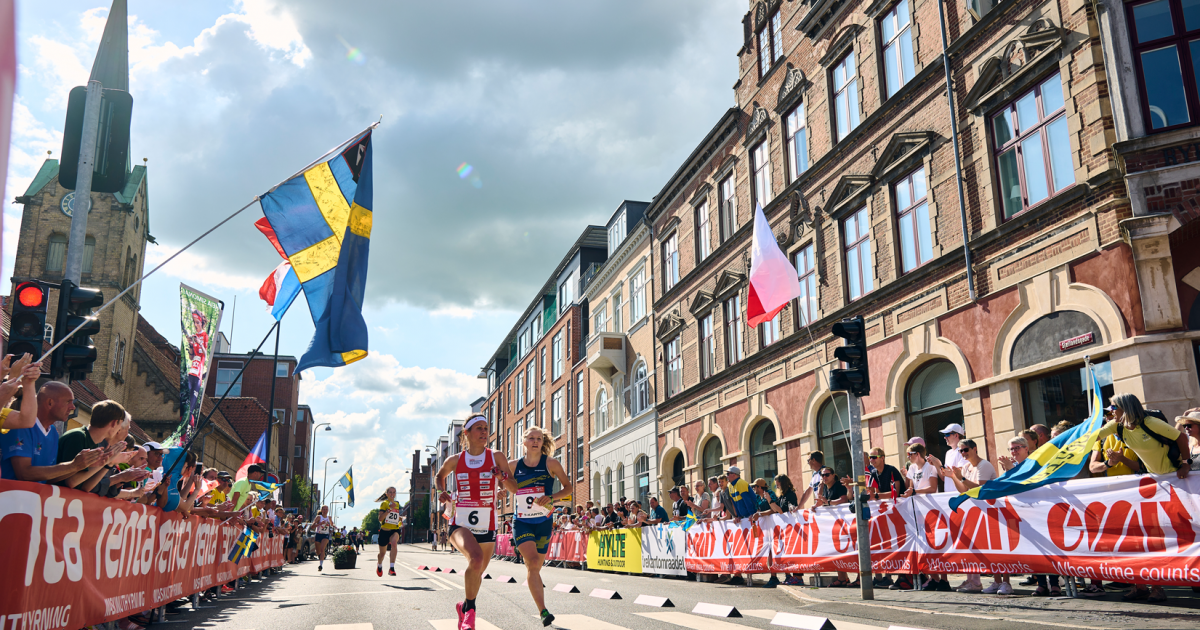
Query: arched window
(933, 404)
(712, 458)
(677, 476)
(608, 487)
(834, 434)
(601, 411)
(56, 253)
(641, 389)
(641, 468)
(596, 487)
(620, 489)
(763, 462)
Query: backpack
(1172, 445)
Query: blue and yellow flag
(347, 482)
(245, 545)
(322, 220)
(1059, 459)
(266, 489)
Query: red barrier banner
(504, 546)
(74, 559)
(1138, 529)
(567, 546)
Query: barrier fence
(74, 559)
(1137, 529)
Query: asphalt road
(355, 599)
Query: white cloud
(458, 312)
(193, 264)
(273, 28)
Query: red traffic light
(30, 295)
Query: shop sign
(1075, 342)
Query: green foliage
(300, 492)
(370, 523)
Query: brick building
(979, 313)
(536, 375)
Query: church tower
(117, 231)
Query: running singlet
(321, 525)
(391, 515)
(475, 492)
(533, 483)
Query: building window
(703, 233)
(845, 96)
(281, 416)
(558, 355)
(897, 47)
(637, 297)
(299, 452)
(641, 472)
(857, 231)
(89, 252)
(536, 328)
(579, 397)
(600, 318)
(608, 486)
(556, 412)
(1033, 148)
(678, 476)
(807, 302)
(620, 482)
(542, 365)
(281, 370)
(770, 44)
(833, 427)
(733, 329)
(56, 253)
(1048, 398)
(712, 458)
(616, 234)
(671, 261)
(674, 367)
(565, 296)
(763, 462)
(616, 311)
(916, 233)
(796, 137)
(760, 163)
(641, 388)
(601, 411)
(769, 332)
(708, 348)
(728, 213)
(933, 404)
(1168, 60)
(118, 364)
(520, 389)
(227, 371)
(579, 458)
(530, 381)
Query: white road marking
(452, 624)
(583, 622)
(347, 626)
(285, 598)
(436, 582)
(695, 622)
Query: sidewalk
(1181, 611)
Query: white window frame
(671, 261)
(760, 166)
(795, 128)
(615, 316)
(894, 46)
(731, 310)
(637, 297)
(703, 232)
(844, 85)
(674, 359)
(557, 365)
(708, 346)
(727, 197)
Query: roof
(255, 357)
(45, 175)
(111, 67)
(247, 416)
(87, 392)
(139, 436)
(689, 168)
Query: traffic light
(855, 377)
(76, 356)
(28, 328)
(112, 140)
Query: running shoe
(379, 571)
(392, 572)
(320, 568)
(468, 620)
(547, 618)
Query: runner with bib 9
(478, 472)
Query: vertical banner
(615, 550)
(663, 549)
(200, 318)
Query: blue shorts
(321, 537)
(537, 533)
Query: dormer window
(616, 233)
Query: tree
(370, 523)
(301, 493)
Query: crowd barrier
(74, 559)
(565, 546)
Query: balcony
(606, 353)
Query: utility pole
(81, 205)
(860, 498)
(274, 373)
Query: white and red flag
(773, 280)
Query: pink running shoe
(468, 620)
(458, 609)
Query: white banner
(663, 550)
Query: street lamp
(325, 481)
(312, 453)
(335, 504)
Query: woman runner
(320, 526)
(477, 472)
(531, 486)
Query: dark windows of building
(769, 331)
(671, 261)
(807, 302)
(703, 233)
(1166, 49)
(845, 96)
(674, 367)
(708, 348)
(733, 329)
(833, 423)
(795, 131)
(678, 477)
(1063, 395)
(912, 209)
(770, 44)
(763, 461)
(641, 471)
(856, 229)
(712, 458)
(760, 164)
(1033, 147)
(934, 404)
(56, 253)
(281, 370)
(728, 211)
(895, 28)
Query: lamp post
(335, 504)
(325, 481)
(312, 453)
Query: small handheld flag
(245, 545)
(347, 482)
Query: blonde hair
(547, 439)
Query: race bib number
(527, 506)
(392, 518)
(477, 519)
(322, 529)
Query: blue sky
(562, 110)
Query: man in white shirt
(816, 461)
(954, 434)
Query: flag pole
(271, 404)
(227, 219)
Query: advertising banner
(615, 550)
(663, 548)
(728, 547)
(76, 559)
(504, 546)
(200, 319)
(567, 546)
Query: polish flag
(280, 289)
(773, 280)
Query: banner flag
(200, 319)
(773, 279)
(347, 482)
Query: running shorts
(538, 533)
(320, 537)
(482, 539)
(385, 536)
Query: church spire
(111, 67)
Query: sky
(506, 128)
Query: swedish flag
(347, 482)
(1057, 460)
(245, 545)
(265, 488)
(322, 219)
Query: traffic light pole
(860, 498)
(82, 204)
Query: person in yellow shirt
(389, 531)
(1111, 457)
(220, 494)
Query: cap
(472, 421)
(955, 428)
(916, 440)
(153, 446)
(733, 470)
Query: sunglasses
(1016, 448)
(964, 451)
(827, 474)
(874, 457)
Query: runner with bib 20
(477, 471)
(389, 530)
(531, 485)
